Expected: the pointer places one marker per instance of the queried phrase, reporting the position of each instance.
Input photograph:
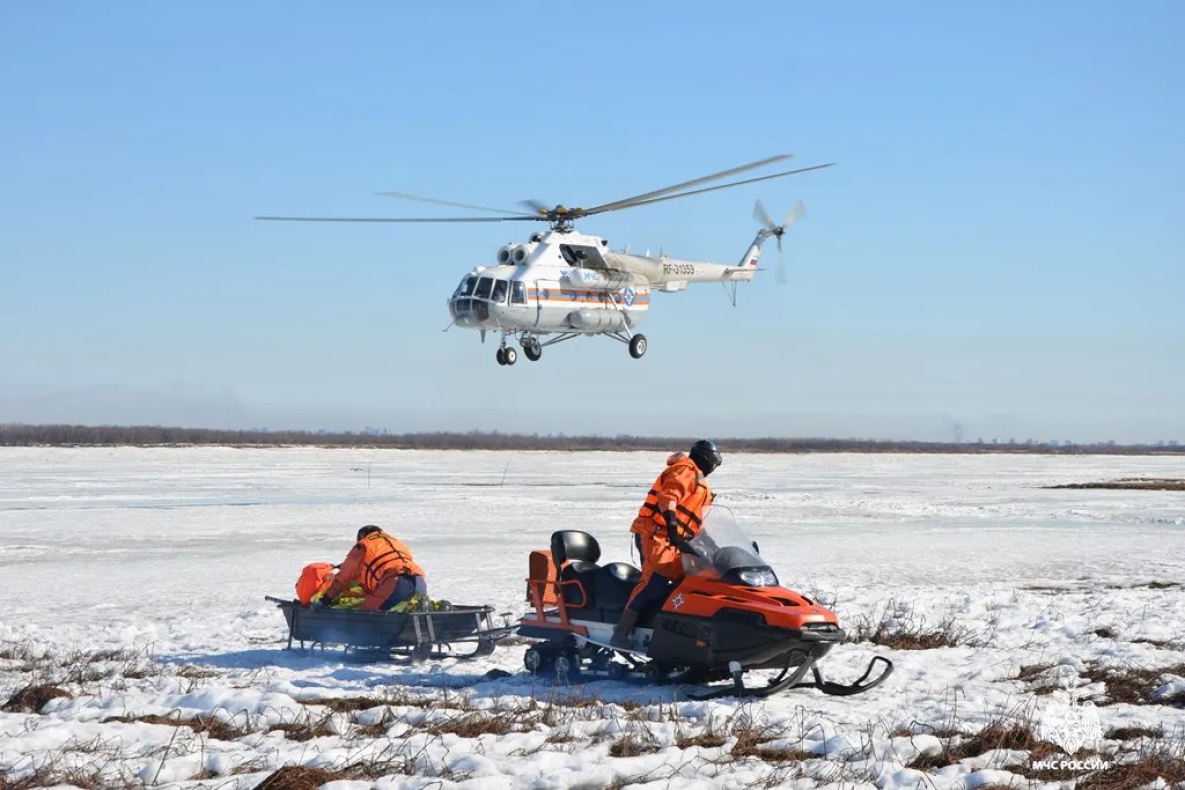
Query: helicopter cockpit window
(501, 287)
(466, 286)
(484, 285)
(518, 292)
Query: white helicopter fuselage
(566, 283)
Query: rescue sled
(418, 635)
(726, 618)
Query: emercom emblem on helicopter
(560, 284)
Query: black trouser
(652, 595)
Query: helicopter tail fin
(745, 270)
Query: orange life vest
(689, 511)
(384, 555)
(314, 578)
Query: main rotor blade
(711, 189)
(537, 206)
(422, 199)
(647, 196)
(402, 219)
(762, 217)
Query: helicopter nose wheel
(637, 346)
(506, 356)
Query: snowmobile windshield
(724, 547)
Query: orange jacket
(681, 488)
(314, 578)
(372, 559)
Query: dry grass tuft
(1135, 733)
(216, 728)
(899, 628)
(208, 725)
(634, 743)
(752, 737)
(31, 699)
(1014, 735)
(195, 672)
(704, 740)
(474, 724)
(1133, 685)
(297, 777)
(305, 728)
(1141, 772)
(1030, 672)
(350, 704)
(910, 640)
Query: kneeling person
(383, 565)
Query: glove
(321, 603)
(672, 528)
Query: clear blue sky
(1001, 246)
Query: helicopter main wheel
(533, 350)
(637, 346)
(510, 355)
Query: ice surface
(169, 552)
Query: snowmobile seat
(576, 554)
(615, 583)
(571, 545)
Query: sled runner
(727, 617)
(418, 635)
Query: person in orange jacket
(671, 514)
(383, 565)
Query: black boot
(621, 631)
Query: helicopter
(560, 284)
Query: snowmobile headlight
(759, 577)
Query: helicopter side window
(500, 289)
(483, 288)
(518, 292)
(581, 255)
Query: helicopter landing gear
(533, 349)
(506, 356)
(637, 346)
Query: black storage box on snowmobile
(418, 634)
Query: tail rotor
(777, 231)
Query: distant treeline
(149, 435)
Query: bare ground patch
(1130, 484)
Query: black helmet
(706, 455)
(369, 529)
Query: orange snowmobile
(727, 616)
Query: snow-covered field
(134, 579)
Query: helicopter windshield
(724, 547)
(466, 286)
(483, 288)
